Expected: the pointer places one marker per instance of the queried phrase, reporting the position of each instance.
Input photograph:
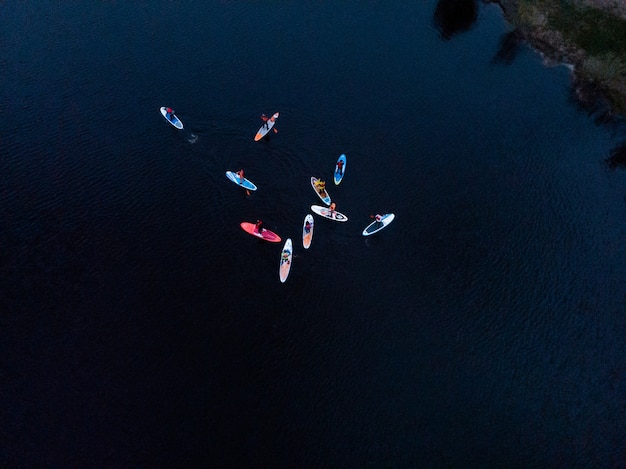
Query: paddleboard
(327, 213)
(262, 132)
(246, 184)
(175, 121)
(265, 234)
(324, 195)
(307, 236)
(285, 261)
(376, 226)
(338, 175)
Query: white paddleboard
(307, 236)
(175, 121)
(328, 213)
(246, 183)
(376, 226)
(262, 132)
(286, 255)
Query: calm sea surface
(141, 327)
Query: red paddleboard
(265, 234)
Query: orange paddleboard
(262, 132)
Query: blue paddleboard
(175, 121)
(340, 169)
(246, 184)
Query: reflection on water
(589, 98)
(618, 157)
(455, 16)
(509, 48)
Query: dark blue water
(141, 327)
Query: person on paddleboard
(170, 113)
(340, 167)
(265, 120)
(240, 176)
(259, 226)
(321, 186)
(285, 258)
(307, 227)
(378, 218)
(332, 207)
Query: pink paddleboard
(265, 234)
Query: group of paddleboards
(328, 211)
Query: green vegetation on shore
(593, 39)
(594, 31)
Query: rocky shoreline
(587, 35)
